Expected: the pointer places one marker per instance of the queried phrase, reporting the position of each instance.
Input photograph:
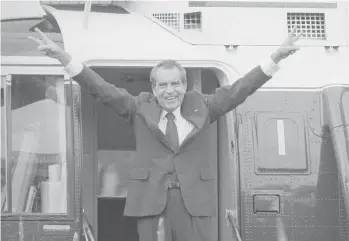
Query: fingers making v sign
(46, 45)
(287, 48)
(288, 44)
(50, 48)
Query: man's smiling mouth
(170, 98)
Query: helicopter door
(289, 180)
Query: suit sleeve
(227, 98)
(117, 98)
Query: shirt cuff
(73, 68)
(270, 67)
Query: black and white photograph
(171, 120)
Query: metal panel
(6, 111)
(266, 203)
(78, 152)
(311, 203)
(280, 142)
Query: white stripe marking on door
(281, 137)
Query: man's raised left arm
(227, 98)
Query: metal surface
(157, 43)
(8, 126)
(312, 206)
(77, 119)
(263, 4)
(338, 122)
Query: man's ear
(153, 89)
(185, 86)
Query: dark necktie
(172, 136)
(171, 130)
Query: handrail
(231, 218)
(87, 229)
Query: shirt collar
(176, 112)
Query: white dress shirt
(184, 127)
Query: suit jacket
(154, 159)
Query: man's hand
(287, 48)
(50, 48)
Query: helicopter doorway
(109, 139)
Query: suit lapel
(151, 113)
(193, 111)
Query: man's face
(169, 88)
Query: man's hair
(168, 64)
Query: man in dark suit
(173, 179)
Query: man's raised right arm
(117, 98)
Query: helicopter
(281, 157)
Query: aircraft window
(281, 143)
(18, 25)
(37, 154)
(46, 26)
(192, 20)
(15, 33)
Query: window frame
(188, 27)
(73, 145)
